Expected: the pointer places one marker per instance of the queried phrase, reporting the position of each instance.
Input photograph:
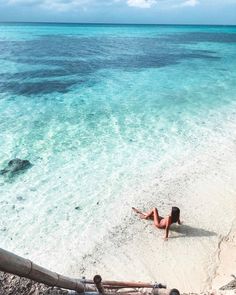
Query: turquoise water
(96, 109)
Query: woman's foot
(141, 215)
(136, 210)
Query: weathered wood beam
(17, 265)
(20, 266)
(123, 284)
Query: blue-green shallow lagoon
(101, 110)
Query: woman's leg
(149, 215)
(144, 215)
(157, 218)
(153, 214)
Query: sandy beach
(227, 261)
(200, 254)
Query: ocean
(103, 112)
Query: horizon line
(110, 23)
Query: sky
(120, 11)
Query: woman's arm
(168, 223)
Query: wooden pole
(17, 265)
(106, 284)
(98, 282)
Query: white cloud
(23, 2)
(190, 3)
(61, 5)
(73, 5)
(185, 3)
(67, 5)
(58, 5)
(141, 3)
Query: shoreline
(193, 260)
(120, 246)
(193, 252)
(196, 257)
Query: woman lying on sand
(161, 222)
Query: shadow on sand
(190, 231)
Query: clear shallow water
(96, 108)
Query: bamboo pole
(17, 265)
(123, 284)
(98, 282)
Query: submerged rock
(20, 198)
(16, 165)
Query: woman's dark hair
(175, 212)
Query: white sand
(227, 257)
(205, 190)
